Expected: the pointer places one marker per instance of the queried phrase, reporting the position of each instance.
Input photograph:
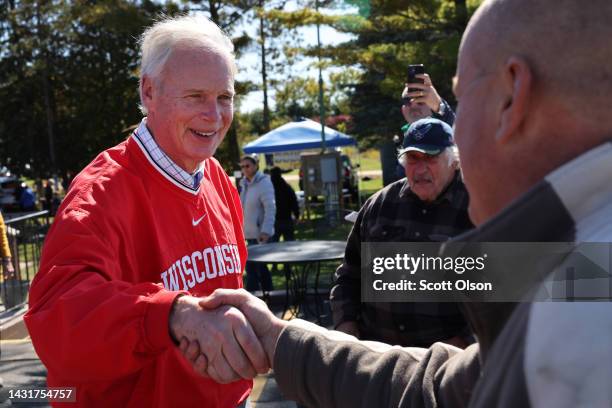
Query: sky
(249, 64)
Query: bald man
(534, 131)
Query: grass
(370, 160)
(373, 184)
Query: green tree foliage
(68, 70)
(225, 13)
(390, 36)
(296, 93)
(299, 97)
(69, 77)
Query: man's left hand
(230, 349)
(267, 327)
(263, 238)
(8, 269)
(426, 93)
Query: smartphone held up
(413, 71)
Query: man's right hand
(227, 347)
(425, 93)
(349, 327)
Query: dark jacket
(396, 214)
(541, 354)
(286, 200)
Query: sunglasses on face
(245, 166)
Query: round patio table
(301, 259)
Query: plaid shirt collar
(448, 194)
(164, 163)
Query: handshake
(227, 336)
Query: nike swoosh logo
(196, 222)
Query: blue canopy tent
(301, 135)
(296, 136)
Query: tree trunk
(264, 77)
(461, 15)
(46, 91)
(214, 12)
(233, 148)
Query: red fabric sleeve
(80, 310)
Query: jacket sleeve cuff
(269, 231)
(346, 318)
(156, 318)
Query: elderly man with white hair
(146, 228)
(428, 205)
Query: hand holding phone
(413, 71)
(425, 94)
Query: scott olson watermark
(423, 284)
(508, 272)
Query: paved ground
(20, 366)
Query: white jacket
(258, 205)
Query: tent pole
(358, 178)
(321, 105)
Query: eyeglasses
(245, 166)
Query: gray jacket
(540, 354)
(258, 205)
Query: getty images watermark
(492, 271)
(410, 264)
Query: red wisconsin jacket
(125, 242)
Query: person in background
(66, 180)
(40, 191)
(423, 102)
(428, 205)
(287, 208)
(259, 207)
(27, 199)
(48, 185)
(8, 270)
(287, 211)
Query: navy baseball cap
(430, 136)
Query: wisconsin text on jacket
(210, 263)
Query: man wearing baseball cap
(428, 170)
(420, 101)
(428, 205)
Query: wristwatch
(441, 108)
